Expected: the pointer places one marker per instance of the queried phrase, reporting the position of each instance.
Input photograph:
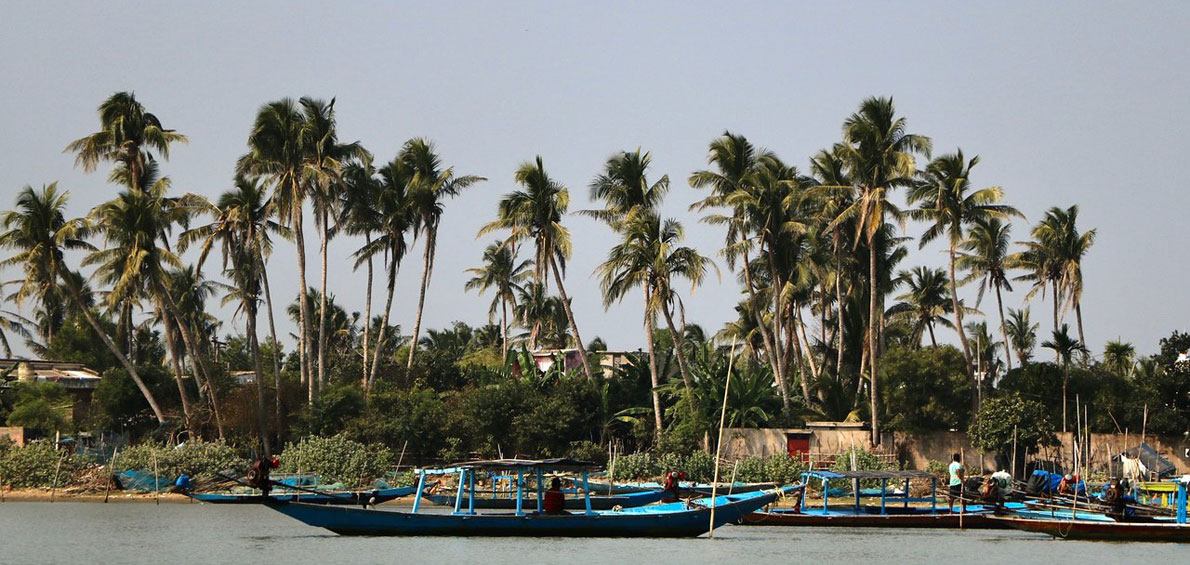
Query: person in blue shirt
(955, 489)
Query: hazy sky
(1066, 103)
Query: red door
(797, 444)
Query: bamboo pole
(719, 446)
(57, 469)
(111, 473)
(1144, 425)
(156, 480)
(1014, 453)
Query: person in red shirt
(555, 499)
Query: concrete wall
(914, 451)
(16, 434)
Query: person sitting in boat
(955, 487)
(673, 486)
(555, 499)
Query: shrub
(34, 466)
(195, 458)
(587, 451)
(337, 459)
(635, 467)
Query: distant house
(608, 360)
(79, 381)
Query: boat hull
(629, 500)
(666, 520)
(939, 520)
(1111, 531)
(351, 498)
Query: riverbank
(44, 495)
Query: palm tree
(1119, 357)
(241, 228)
(535, 213)
(947, 202)
(1022, 334)
(500, 271)
(834, 196)
(12, 322)
(985, 350)
(736, 162)
(38, 232)
(1058, 240)
(650, 257)
(986, 259)
(625, 191)
(127, 134)
(360, 217)
(431, 185)
(393, 222)
(880, 158)
(1065, 347)
(925, 304)
(136, 226)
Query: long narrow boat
(894, 510)
(598, 502)
(679, 519)
(604, 487)
(350, 498)
(1100, 527)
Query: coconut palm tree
(500, 271)
(985, 257)
(1022, 334)
(832, 197)
(1065, 347)
(535, 213)
(650, 257)
(986, 352)
(880, 158)
(1057, 239)
(127, 135)
(39, 234)
(1119, 357)
(946, 200)
(925, 304)
(736, 162)
(393, 222)
(431, 185)
(12, 322)
(136, 228)
(360, 217)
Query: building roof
(72, 376)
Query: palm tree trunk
(778, 287)
(933, 341)
(958, 316)
(872, 325)
(195, 355)
(1078, 314)
(578, 340)
(388, 306)
(768, 339)
(1057, 356)
(172, 347)
(838, 307)
(503, 330)
(1065, 381)
(680, 351)
(262, 420)
(1004, 329)
(421, 295)
(654, 377)
(322, 306)
(77, 296)
(367, 312)
(304, 344)
(268, 297)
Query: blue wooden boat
(679, 519)
(698, 488)
(598, 502)
(351, 498)
(1093, 526)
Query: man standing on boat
(955, 489)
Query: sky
(1065, 103)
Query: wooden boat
(679, 519)
(1100, 527)
(705, 489)
(598, 502)
(898, 514)
(350, 498)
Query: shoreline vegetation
(834, 321)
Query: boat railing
(854, 477)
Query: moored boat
(1102, 527)
(352, 497)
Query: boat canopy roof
(869, 474)
(554, 464)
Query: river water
(76, 533)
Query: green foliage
(925, 389)
(120, 404)
(862, 459)
(195, 458)
(42, 408)
(34, 465)
(395, 416)
(337, 459)
(1171, 346)
(334, 408)
(1001, 415)
(587, 451)
(77, 342)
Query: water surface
(75, 533)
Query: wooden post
(1144, 425)
(611, 471)
(719, 446)
(962, 486)
(156, 479)
(1014, 452)
(111, 473)
(54, 488)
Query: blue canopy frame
(467, 472)
(883, 476)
